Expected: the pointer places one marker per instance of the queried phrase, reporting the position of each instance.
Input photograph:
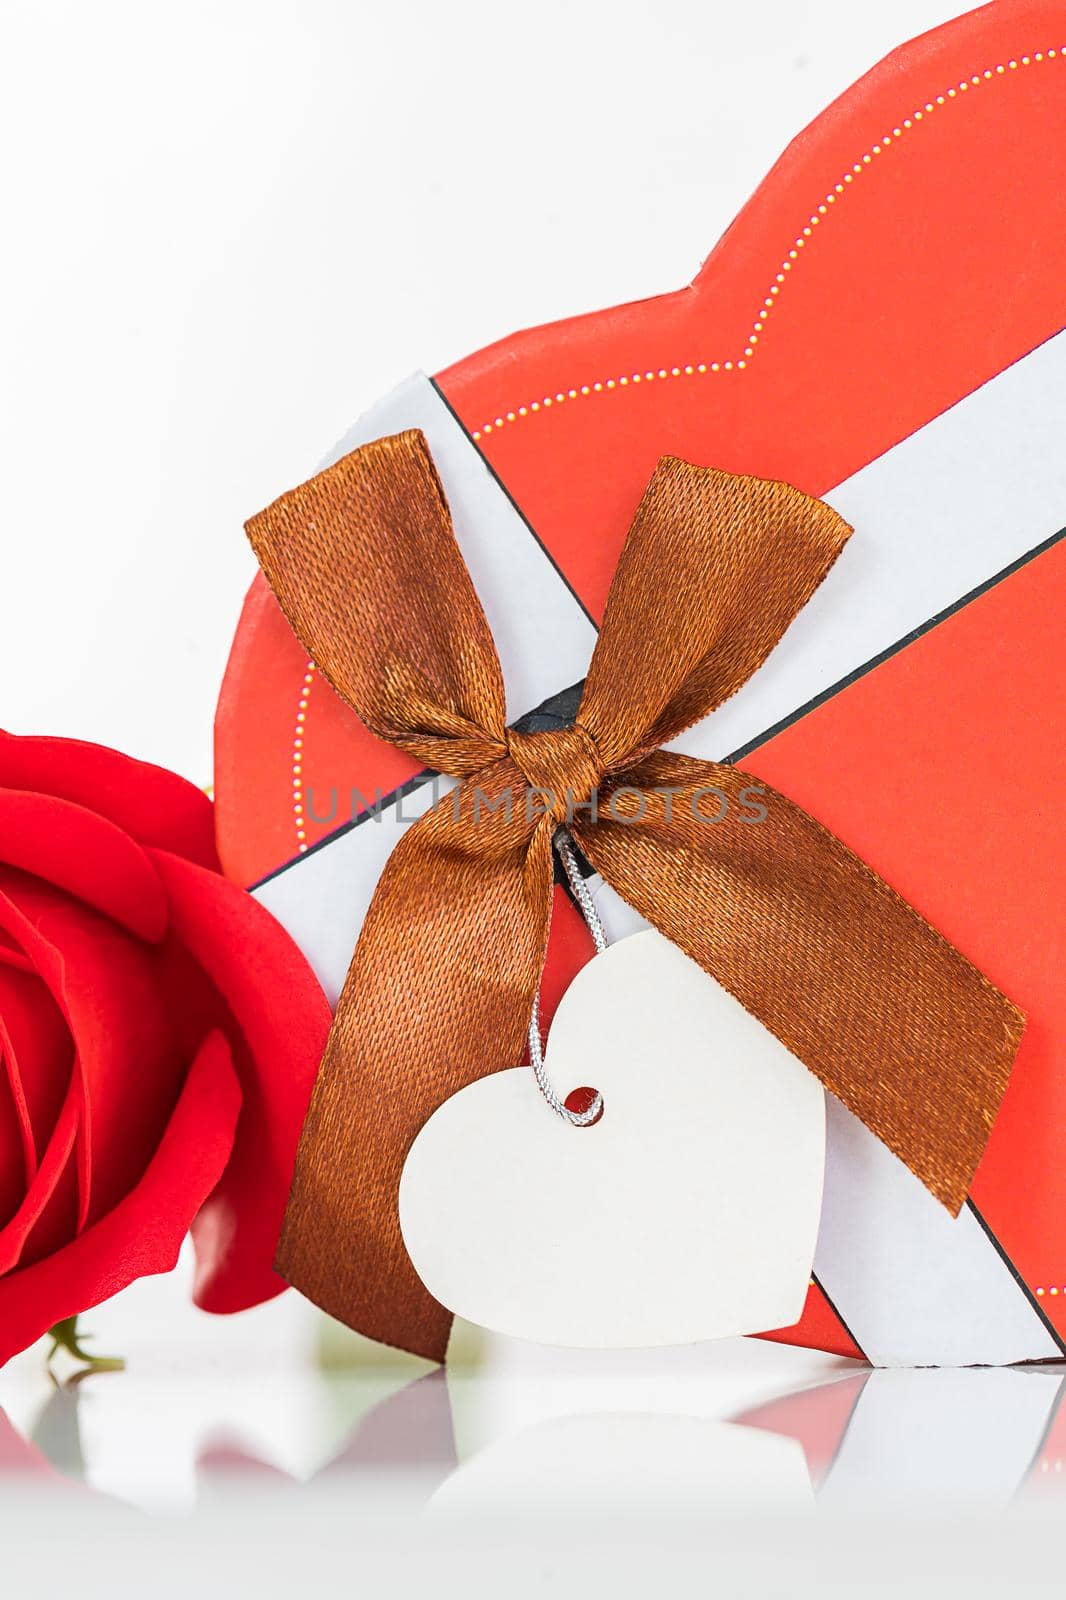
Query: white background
(228, 227)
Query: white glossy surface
(236, 1462)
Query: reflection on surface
(405, 1442)
(925, 1440)
(518, 1429)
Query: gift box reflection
(876, 1441)
(470, 1441)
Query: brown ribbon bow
(892, 1019)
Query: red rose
(159, 1035)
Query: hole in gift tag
(581, 1100)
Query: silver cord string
(564, 848)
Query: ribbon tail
(439, 993)
(891, 1017)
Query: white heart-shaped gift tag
(688, 1211)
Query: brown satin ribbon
(892, 1019)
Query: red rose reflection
(159, 1036)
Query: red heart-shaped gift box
(881, 326)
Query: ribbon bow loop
(892, 1019)
(713, 570)
(364, 561)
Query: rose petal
(38, 1058)
(38, 1054)
(283, 1019)
(143, 1233)
(130, 1052)
(15, 1170)
(84, 853)
(12, 956)
(47, 1216)
(156, 807)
